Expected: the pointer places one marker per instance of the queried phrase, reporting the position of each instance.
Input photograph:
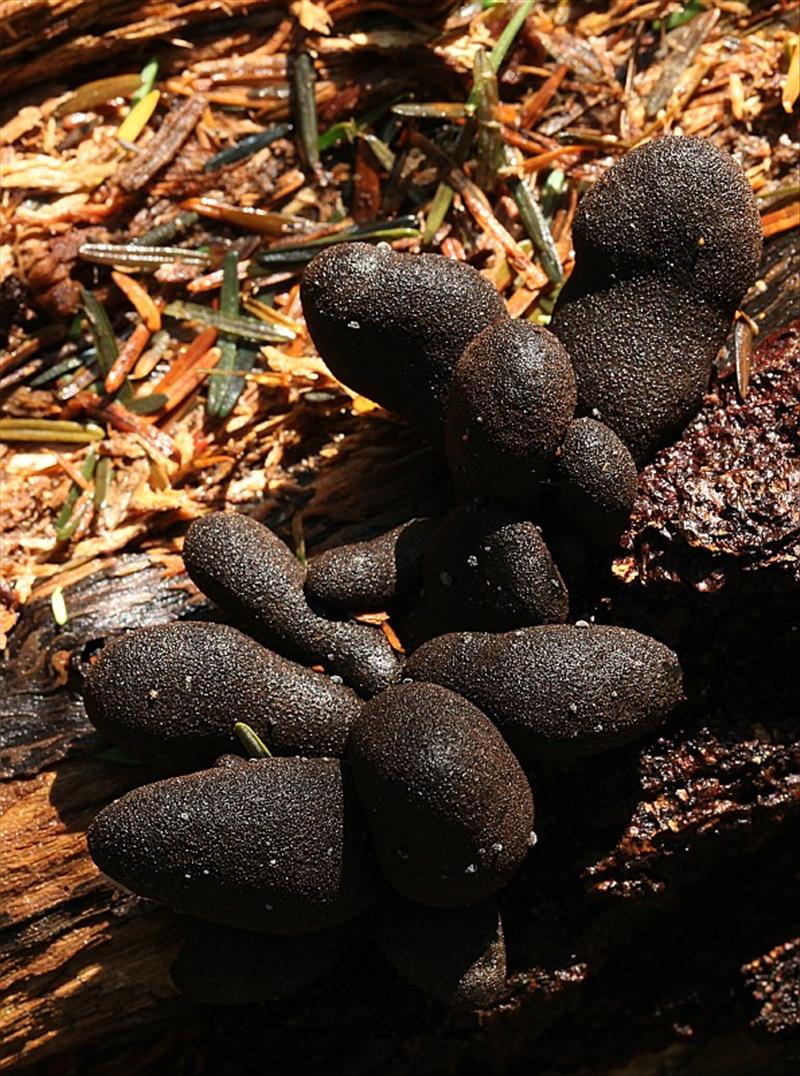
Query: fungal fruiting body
(511, 400)
(594, 480)
(431, 800)
(487, 568)
(393, 326)
(275, 845)
(373, 575)
(666, 245)
(245, 568)
(558, 690)
(176, 690)
(449, 809)
(457, 955)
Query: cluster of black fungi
(396, 801)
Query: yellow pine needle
(362, 406)
(138, 117)
(59, 607)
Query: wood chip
(164, 145)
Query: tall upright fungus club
(666, 245)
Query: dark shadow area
(673, 972)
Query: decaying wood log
(44, 39)
(662, 895)
(93, 967)
(77, 958)
(656, 926)
(48, 39)
(42, 714)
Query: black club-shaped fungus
(666, 245)
(512, 397)
(487, 569)
(458, 955)
(558, 690)
(373, 575)
(245, 568)
(223, 966)
(275, 845)
(177, 689)
(448, 807)
(392, 326)
(431, 798)
(594, 481)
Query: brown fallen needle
(164, 145)
(127, 358)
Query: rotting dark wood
(75, 963)
(41, 712)
(725, 500)
(42, 39)
(773, 301)
(774, 981)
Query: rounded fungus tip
(372, 575)
(246, 569)
(415, 315)
(559, 690)
(594, 481)
(448, 807)
(666, 245)
(511, 400)
(487, 568)
(277, 845)
(176, 691)
(457, 955)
